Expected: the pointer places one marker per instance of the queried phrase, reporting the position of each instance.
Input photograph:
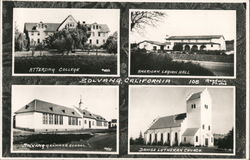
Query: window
(97, 26)
(168, 47)
(50, 118)
(56, 119)
(211, 45)
(61, 120)
(104, 41)
(203, 126)
(105, 124)
(69, 122)
(197, 138)
(38, 40)
(45, 118)
(99, 34)
(38, 33)
(93, 123)
(93, 33)
(93, 26)
(155, 137)
(76, 121)
(79, 123)
(211, 139)
(90, 42)
(85, 121)
(184, 139)
(206, 106)
(209, 128)
(32, 33)
(97, 41)
(193, 106)
(150, 138)
(168, 137)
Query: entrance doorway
(206, 141)
(89, 124)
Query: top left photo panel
(60, 41)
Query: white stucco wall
(25, 120)
(148, 46)
(96, 35)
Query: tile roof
(47, 107)
(190, 131)
(85, 113)
(99, 118)
(51, 27)
(155, 42)
(194, 96)
(195, 37)
(168, 121)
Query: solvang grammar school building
(191, 128)
(40, 115)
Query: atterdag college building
(40, 115)
(193, 127)
(37, 32)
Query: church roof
(46, 107)
(199, 37)
(194, 96)
(51, 27)
(190, 131)
(168, 121)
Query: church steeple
(80, 103)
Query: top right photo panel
(182, 43)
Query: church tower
(80, 103)
(199, 117)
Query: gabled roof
(47, 107)
(201, 37)
(168, 121)
(190, 131)
(85, 113)
(194, 96)
(99, 118)
(51, 27)
(155, 43)
(69, 16)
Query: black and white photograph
(183, 43)
(181, 120)
(50, 41)
(65, 119)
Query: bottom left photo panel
(65, 119)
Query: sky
(49, 15)
(102, 100)
(150, 102)
(190, 22)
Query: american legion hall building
(42, 116)
(191, 128)
(186, 43)
(37, 32)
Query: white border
(69, 74)
(180, 76)
(70, 152)
(186, 153)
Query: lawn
(67, 64)
(72, 141)
(163, 64)
(176, 149)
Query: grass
(202, 57)
(177, 149)
(88, 64)
(163, 62)
(80, 142)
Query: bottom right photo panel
(181, 120)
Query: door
(89, 124)
(206, 141)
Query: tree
(68, 39)
(139, 19)
(111, 43)
(20, 40)
(227, 142)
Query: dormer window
(206, 106)
(51, 108)
(63, 111)
(26, 107)
(73, 113)
(84, 113)
(193, 106)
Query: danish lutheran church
(193, 127)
